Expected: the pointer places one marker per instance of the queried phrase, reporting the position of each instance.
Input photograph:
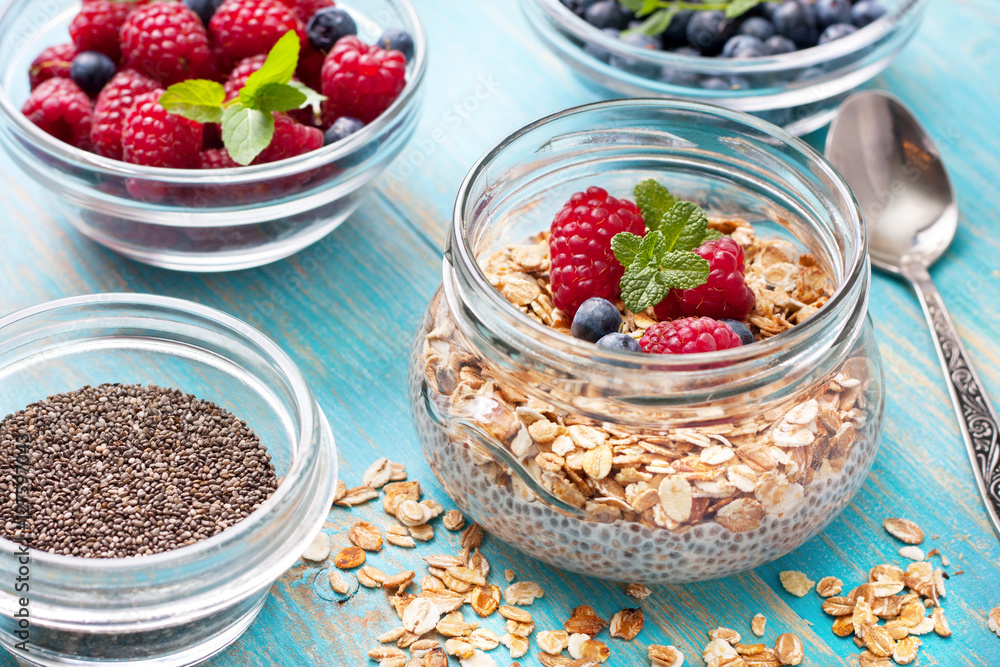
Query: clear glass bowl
(799, 91)
(482, 372)
(195, 220)
(181, 606)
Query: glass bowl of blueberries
(790, 62)
(233, 147)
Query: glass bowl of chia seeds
(175, 435)
(799, 90)
(202, 220)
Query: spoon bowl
(899, 179)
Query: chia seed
(130, 470)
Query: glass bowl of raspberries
(790, 62)
(650, 359)
(208, 135)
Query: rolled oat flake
(129, 470)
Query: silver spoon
(909, 205)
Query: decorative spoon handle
(976, 415)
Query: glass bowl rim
(856, 267)
(566, 20)
(304, 401)
(92, 162)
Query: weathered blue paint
(345, 309)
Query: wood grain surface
(345, 309)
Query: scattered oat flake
(829, 586)
(757, 624)
(788, 649)
(912, 553)
(478, 659)
(795, 582)
(993, 621)
(638, 591)
(523, 593)
(665, 655)
(509, 575)
(318, 549)
(904, 530)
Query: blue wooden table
(345, 309)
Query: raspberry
(97, 25)
(59, 107)
(687, 336)
(304, 9)
(113, 104)
(583, 265)
(360, 81)
(154, 137)
(167, 41)
(290, 139)
(244, 28)
(215, 158)
(725, 295)
(52, 63)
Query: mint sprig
(248, 120)
(663, 259)
(659, 13)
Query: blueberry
(680, 77)
(757, 26)
(796, 22)
(676, 33)
(91, 71)
(632, 65)
(741, 330)
(865, 12)
(810, 74)
(836, 31)
(743, 46)
(607, 14)
(397, 40)
(829, 12)
(595, 319)
(620, 342)
(597, 52)
(578, 7)
(327, 26)
(777, 45)
(205, 9)
(725, 83)
(708, 31)
(342, 128)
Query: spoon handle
(976, 415)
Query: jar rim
(562, 17)
(305, 404)
(855, 268)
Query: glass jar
(760, 446)
(181, 606)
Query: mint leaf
(711, 235)
(738, 8)
(275, 97)
(278, 68)
(654, 200)
(633, 6)
(643, 287)
(684, 270)
(246, 132)
(313, 99)
(652, 269)
(692, 221)
(199, 100)
(625, 245)
(655, 23)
